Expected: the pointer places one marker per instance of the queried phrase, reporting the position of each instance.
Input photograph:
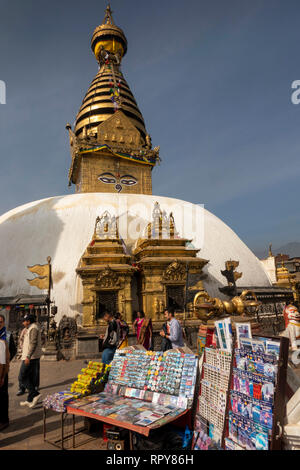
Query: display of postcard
(202, 441)
(258, 346)
(143, 422)
(148, 395)
(228, 324)
(270, 370)
(273, 347)
(148, 418)
(258, 363)
(243, 330)
(153, 414)
(80, 403)
(174, 400)
(155, 398)
(182, 402)
(261, 441)
(137, 404)
(164, 399)
(267, 391)
(161, 409)
(230, 445)
(221, 334)
(247, 434)
(215, 434)
(266, 417)
(246, 344)
(258, 411)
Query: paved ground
(26, 426)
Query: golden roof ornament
(270, 251)
(232, 276)
(108, 37)
(162, 225)
(106, 227)
(108, 19)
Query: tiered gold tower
(110, 148)
(106, 274)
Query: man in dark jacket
(7, 338)
(30, 367)
(110, 339)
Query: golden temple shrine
(156, 272)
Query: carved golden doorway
(175, 297)
(106, 301)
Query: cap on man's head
(29, 317)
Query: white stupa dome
(63, 226)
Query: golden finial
(108, 19)
(109, 37)
(270, 250)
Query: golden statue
(270, 251)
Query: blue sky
(212, 79)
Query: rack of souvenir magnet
(214, 387)
(166, 379)
(256, 403)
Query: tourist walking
(110, 339)
(30, 367)
(176, 334)
(123, 331)
(142, 327)
(22, 386)
(4, 368)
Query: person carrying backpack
(123, 331)
(110, 339)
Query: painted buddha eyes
(107, 178)
(125, 180)
(128, 180)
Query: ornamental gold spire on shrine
(110, 148)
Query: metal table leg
(130, 440)
(62, 431)
(44, 423)
(73, 430)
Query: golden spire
(109, 90)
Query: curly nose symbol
(118, 187)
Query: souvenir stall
(145, 391)
(241, 402)
(235, 400)
(140, 392)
